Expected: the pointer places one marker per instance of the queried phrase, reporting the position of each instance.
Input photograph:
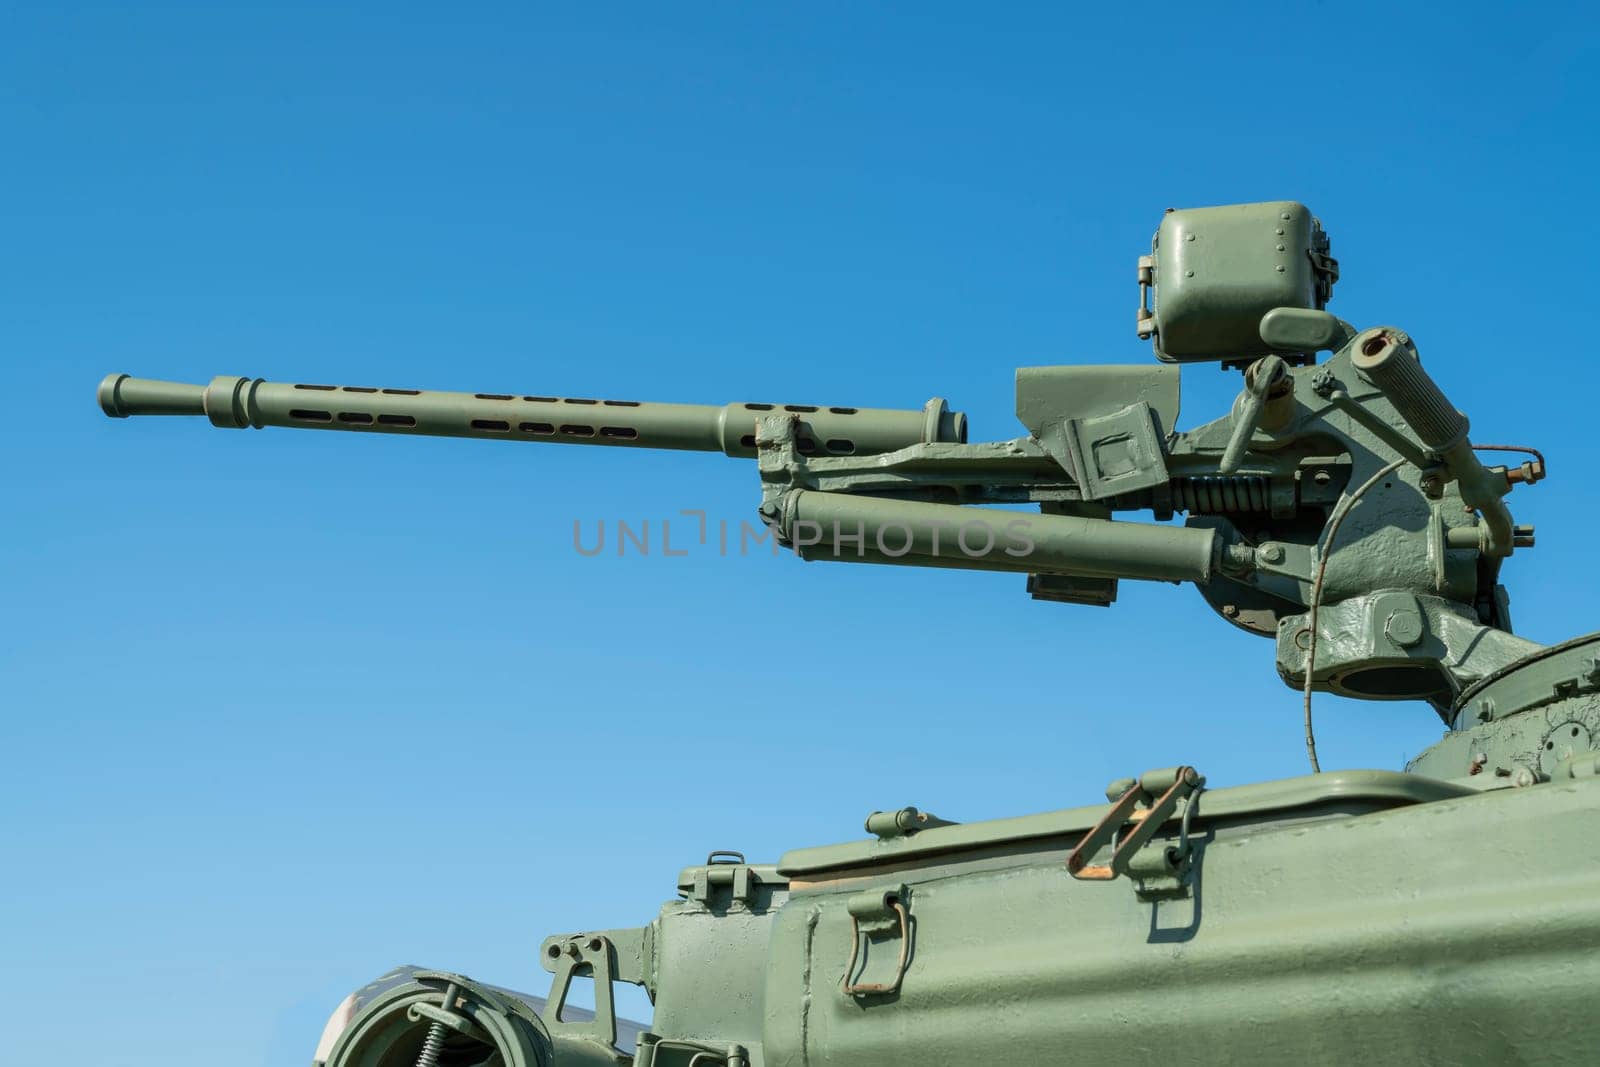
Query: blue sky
(281, 710)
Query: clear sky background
(279, 710)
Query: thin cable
(1316, 593)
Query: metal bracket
(1113, 452)
(585, 955)
(880, 907)
(622, 955)
(1326, 268)
(1146, 804)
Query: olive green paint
(1447, 914)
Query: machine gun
(1339, 508)
(1415, 573)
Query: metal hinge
(1147, 280)
(1144, 804)
(724, 867)
(903, 823)
(1327, 270)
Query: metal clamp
(1161, 790)
(877, 905)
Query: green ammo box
(1215, 271)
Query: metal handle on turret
(1387, 359)
(239, 402)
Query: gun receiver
(236, 403)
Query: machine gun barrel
(239, 402)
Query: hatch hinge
(903, 823)
(725, 867)
(1325, 266)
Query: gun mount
(1260, 486)
(1340, 508)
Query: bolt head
(1404, 628)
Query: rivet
(1280, 268)
(1188, 237)
(1280, 248)
(1285, 216)
(1279, 231)
(1188, 274)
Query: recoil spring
(1221, 493)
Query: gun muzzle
(239, 402)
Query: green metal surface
(1458, 931)
(1448, 914)
(236, 403)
